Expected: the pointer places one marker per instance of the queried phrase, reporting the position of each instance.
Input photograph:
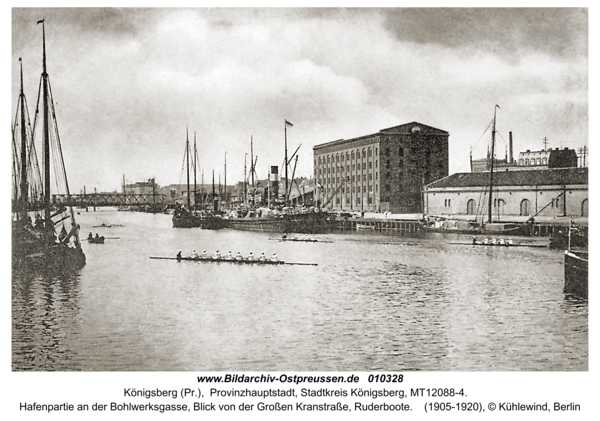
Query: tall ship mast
(45, 232)
(183, 216)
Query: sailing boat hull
(39, 255)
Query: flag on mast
(288, 124)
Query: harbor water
(373, 302)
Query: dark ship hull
(576, 273)
(186, 220)
(41, 253)
(213, 223)
(304, 223)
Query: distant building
(548, 158)
(384, 171)
(143, 187)
(528, 160)
(551, 192)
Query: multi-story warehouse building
(384, 171)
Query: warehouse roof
(557, 176)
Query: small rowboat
(94, 240)
(251, 262)
(107, 225)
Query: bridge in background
(109, 199)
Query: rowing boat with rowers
(244, 261)
(500, 245)
(300, 240)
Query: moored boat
(44, 233)
(213, 222)
(576, 273)
(301, 223)
(576, 262)
(183, 217)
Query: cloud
(129, 81)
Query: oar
(111, 238)
(304, 264)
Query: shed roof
(546, 177)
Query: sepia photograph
(299, 190)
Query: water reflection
(374, 302)
(45, 319)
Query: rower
(90, 236)
(262, 257)
(485, 241)
(493, 242)
(274, 258)
(194, 255)
(238, 256)
(178, 254)
(217, 255)
(501, 241)
(97, 236)
(250, 257)
(474, 240)
(509, 242)
(229, 256)
(204, 255)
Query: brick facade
(384, 171)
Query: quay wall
(539, 229)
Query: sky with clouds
(127, 83)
